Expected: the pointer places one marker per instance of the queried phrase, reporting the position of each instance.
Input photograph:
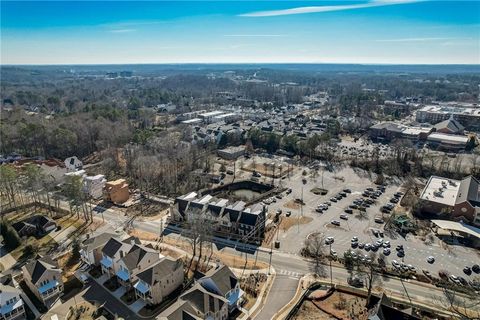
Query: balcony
(142, 291)
(49, 290)
(12, 311)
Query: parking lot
(416, 251)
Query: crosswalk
(289, 273)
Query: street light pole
(331, 277)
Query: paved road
(282, 291)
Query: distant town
(239, 192)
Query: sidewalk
(259, 303)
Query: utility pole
(270, 260)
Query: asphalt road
(282, 291)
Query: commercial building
(447, 142)
(209, 117)
(387, 131)
(467, 117)
(232, 153)
(457, 200)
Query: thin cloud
(130, 24)
(427, 39)
(122, 30)
(318, 9)
(255, 35)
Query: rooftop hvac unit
(438, 194)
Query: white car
(395, 264)
(329, 240)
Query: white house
(11, 303)
(73, 164)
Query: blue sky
(375, 31)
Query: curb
(259, 304)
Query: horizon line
(239, 63)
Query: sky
(117, 32)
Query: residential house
(11, 303)
(234, 219)
(91, 251)
(159, 280)
(44, 278)
(73, 164)
(117, 191)
(213, 296)
(35, 225)
(137, 259)
(197, 303)
(94, 185)
(223, 282)
(113, 251)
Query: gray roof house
(44, 278)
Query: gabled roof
(37, 268)
(180, 310)
(111, 247)
(196, 298)
(159, 270)
(136, 254)
(223, 278)
(450, 124)
(469, 190)
(98, 241)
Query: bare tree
(198, 230)
(465, 306)
(314, 247)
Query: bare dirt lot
(337, 306)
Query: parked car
(329, 240)
(378, 220)
(344, 217)
(335, 222)
(467, 271)
(347, 190)
(431, 259)
(289, 213)
(350, 211)
(333, 199)
(476, 268)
